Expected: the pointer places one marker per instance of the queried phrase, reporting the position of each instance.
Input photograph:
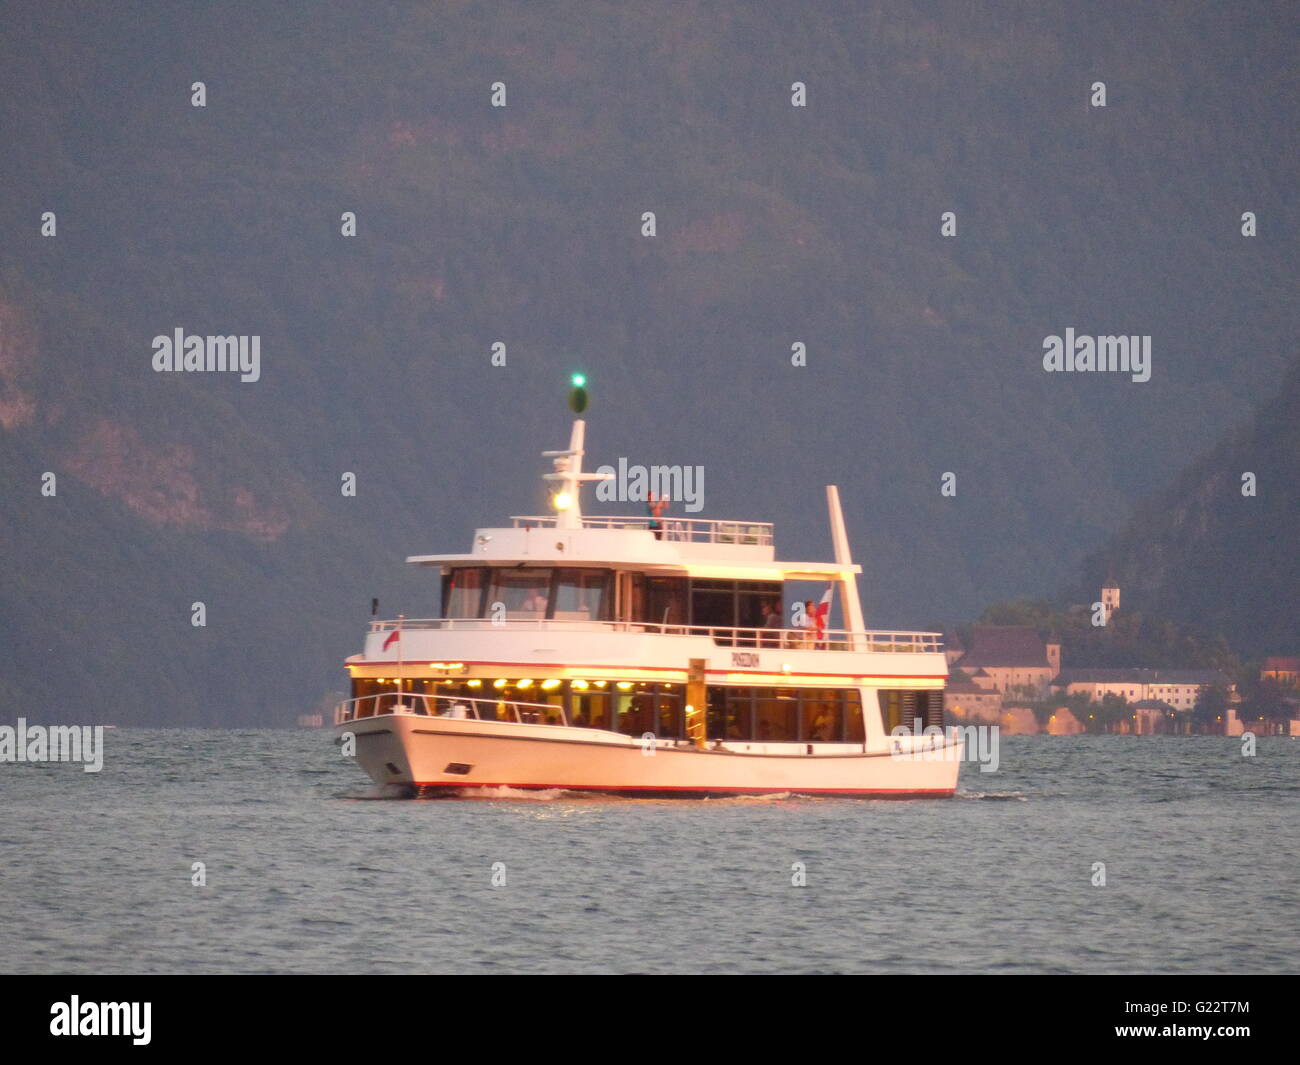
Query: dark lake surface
(308, 870)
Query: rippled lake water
(307, 871)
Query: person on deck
(655, 506)
(772, 620)
(809, 624)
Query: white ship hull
(453, 754)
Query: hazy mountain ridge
(1203, 552)
(522, 225)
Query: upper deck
(876, 641)
(675, 530)
(700, 547)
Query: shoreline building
(971, 702)
(1177, 688)
(1284, 670)
(1006, 657)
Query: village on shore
(1010, 676)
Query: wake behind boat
(650, 656)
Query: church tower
(1110, 596)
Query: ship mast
(568, 477)
(853, 620)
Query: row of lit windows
(632, 708)
(1170, 696)
(807, 715)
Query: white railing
(450, 706)
(722, 635)
(680, 530)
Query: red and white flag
(823, 611)
(393, 637)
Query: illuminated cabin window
(642, 707)
(590, 708)
(855, 729)
(905, 708)
(785, 715)
(731, 713)
(364, 688)
(891, 709)
(821, 716)
(670, 720)
(635, 710)
(775, 715)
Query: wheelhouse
(589, 593)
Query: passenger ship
(645, 656)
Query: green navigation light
(578, 393)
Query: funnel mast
(567, 480)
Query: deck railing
(451, 706)
(680, 530)
(722, 635)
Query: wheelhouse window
(665, 601)
(735, 604)
(524, 593)
(713, 604)
(462, 593)
(581, 594)
(752, 597)
(705, 604)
